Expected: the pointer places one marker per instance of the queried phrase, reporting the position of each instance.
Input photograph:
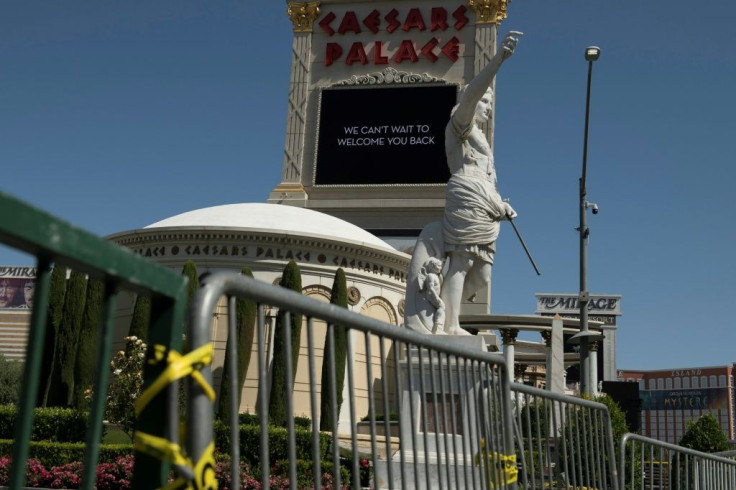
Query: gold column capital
(508, 335)
(489, 11)
(302, 15)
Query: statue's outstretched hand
(509, 43)
(510, 213)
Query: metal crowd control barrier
(651, 464)
(563, 441)
(454, 423)
(56, 242)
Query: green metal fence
(55, 242)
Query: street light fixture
(592, 53)
(587, 380)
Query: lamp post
(586, 370)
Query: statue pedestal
(439, 436)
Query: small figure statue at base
(432, 285)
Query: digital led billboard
(383, 135)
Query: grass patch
(115, 435)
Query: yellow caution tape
(204, 470)
(504, 462)
(160, 448)
(165, 450)
(178, 367)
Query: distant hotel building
(670, 398)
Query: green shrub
(49, 424)
(249, 419)
(58, 453)
(392, 417)
(278, 445)
(7, 421)
(301, 422)
(11, 373)
(705, 435)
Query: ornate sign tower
(371, 90)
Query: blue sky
(118, 114)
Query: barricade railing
(647, 463)
(56, 243)
(454, 426)
(563, 441)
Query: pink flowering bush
(116, 475)
(110, 476)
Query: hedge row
(49, 424)
(300, 422)
(278, 442)
(54, 450)
(59, 453)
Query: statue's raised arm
(477, 87)
(466, 237)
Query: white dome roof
(272, 218)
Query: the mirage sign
(567, 304)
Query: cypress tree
(61, 389)
(190, 270)
(245, 324)
(85, 362)
(339, 297)
(57, 293)
(291, 279)
(141, 320)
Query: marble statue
(466, 237)
(430, 283)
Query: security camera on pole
(588, 383)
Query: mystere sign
(383, 135)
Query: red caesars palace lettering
(437, 20)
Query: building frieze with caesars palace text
(258, 252)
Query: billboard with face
(17, 286)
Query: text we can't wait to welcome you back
(387, 135)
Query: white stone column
(555, 357)
(508, 335)
(303, 15)
(593, 375)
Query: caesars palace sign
(396, 24)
